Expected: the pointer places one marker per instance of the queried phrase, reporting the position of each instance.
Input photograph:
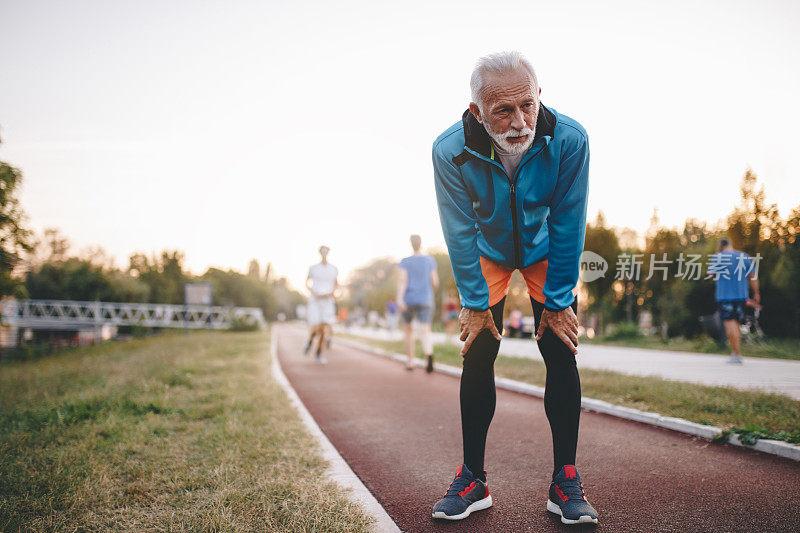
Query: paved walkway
(773, 375)
(400, 433)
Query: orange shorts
(498, 277)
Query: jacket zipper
(517, 261)
(517, 258)
(513, 184)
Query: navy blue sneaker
(568, 500)
(465, 495)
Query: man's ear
(473, 108)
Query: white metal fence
(65, 314)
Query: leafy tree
(126, 288)
(72, 279)
(695, 233)
(779, 276)
(286, 299)
(247, 290)
(162, 274)
(254, 269)
(235, 289)
(602, 240)
(14, 238)
(373, 284)
(659, 273)
(57, 244)
(753, 220)
(447, 282)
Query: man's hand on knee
(472, 322)
(564, 324)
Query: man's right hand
(472, 322)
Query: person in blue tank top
(732, 269)
(417, 279)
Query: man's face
(510, 106)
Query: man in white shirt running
(322, 283)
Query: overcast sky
(236, 130)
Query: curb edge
(772, 447)
(339, 471)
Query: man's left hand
(564, 324)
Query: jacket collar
(477, 139)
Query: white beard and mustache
(509, 148)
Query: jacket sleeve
(460, 232)
(567, 225)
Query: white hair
(498, 63)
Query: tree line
(156, 278)
(676, 302)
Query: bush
(623, 330)
(244, 323)
(750, 434)
(26, 351)
(705, 344)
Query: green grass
(177, 432)
(757, 414)
(774, 348)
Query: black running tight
(562, 397)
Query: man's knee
(483, 351)
(555, 351)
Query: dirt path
(400, 433)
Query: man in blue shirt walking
(731, 269)
(417, 279)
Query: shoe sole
(584, 519)
(477, 506)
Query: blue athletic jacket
(515, 221)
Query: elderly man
(512, 183)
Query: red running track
(400, 432)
